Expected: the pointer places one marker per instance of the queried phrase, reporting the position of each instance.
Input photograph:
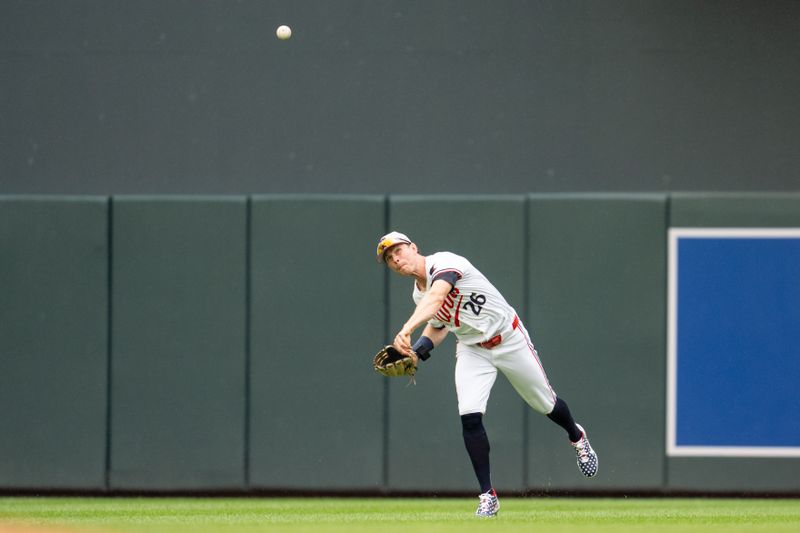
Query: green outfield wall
(316, 411)
(178, 337)
(54, 319)
(596, 307)
(224, 343)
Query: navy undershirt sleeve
(450, 277)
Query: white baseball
(283, 32)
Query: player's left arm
(425, 310)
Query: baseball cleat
(489, 505)
(587, 458)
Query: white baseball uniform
(490, 337)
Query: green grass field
(207, 515)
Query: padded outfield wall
(168, 343)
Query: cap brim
(384, 247)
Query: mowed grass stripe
(209, 515)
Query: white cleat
(489, 505)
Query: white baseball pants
(516, 358)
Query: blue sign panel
(734, 347)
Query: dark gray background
(369, 96)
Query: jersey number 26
(475, 303)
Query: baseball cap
(389, 240)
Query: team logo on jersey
(449, 310)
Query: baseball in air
(283, 32)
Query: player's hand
(402, 342)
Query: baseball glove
(392, 363)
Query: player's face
(401, 258)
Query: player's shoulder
(441, 261)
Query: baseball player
(451, 295)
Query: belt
(497, 339)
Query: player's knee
(472, 423)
